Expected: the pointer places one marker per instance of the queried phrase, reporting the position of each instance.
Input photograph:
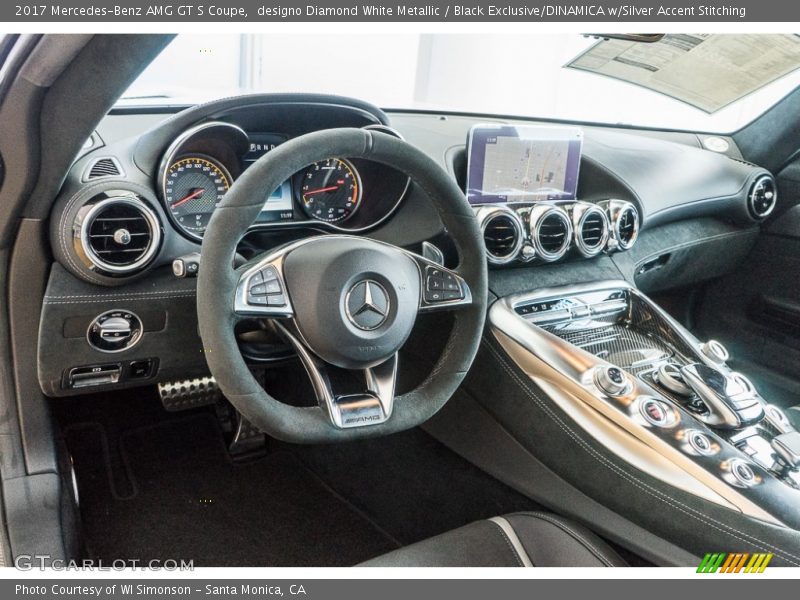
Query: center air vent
(502, 233)
(627, 227)
(551, 231)
(591, 228)
(762, 197)
(624, 220)
(119, 235)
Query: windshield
(713, 83)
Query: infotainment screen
(278, 205)
(513, 163)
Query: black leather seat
(530, 539)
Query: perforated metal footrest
(186, 394)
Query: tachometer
(331, 190)
(193, 186)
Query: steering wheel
(340, 300)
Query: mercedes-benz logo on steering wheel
(367, 305)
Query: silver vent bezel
(536, 218)
(97, 263)
(486, 215)
(86, 172)
(751, 201)
(615, 209)
(580, 212)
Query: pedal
(186, 394)
(248, 440)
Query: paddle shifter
(732, 402)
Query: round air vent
(762, 197)
(591, 228)
(623, 218)
(118, 235)
(503, 233)
(627, 227)
(551, 231)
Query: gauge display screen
(278, 206)
(193, 186)
(331, 190)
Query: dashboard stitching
(159, 293)
(120, 298)
(691, 243)
(687, 510)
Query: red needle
(320, 190)
(192, 196)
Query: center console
(640, 383)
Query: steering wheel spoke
(440, 288)
(371, 407)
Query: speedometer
(193, 186)
(331, 190)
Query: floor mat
(186, 500)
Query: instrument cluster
(339, 193)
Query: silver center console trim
(566, 374)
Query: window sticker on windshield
(708, 71)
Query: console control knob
(612, 381)
(528, 252)
(715, 351)
(114, 331)
(669, 375)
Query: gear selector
(730, 401)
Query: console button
(655, 412)
(701, 443)
(140, 369)
(743, 473)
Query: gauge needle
(321, 190)
(198, 192)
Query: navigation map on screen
(523, 164)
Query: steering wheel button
(273, 286)
(276, 300)
(269, 273)
(433, 296)
(256, 278)
(434, 284)
(258, 290)
(257, 300)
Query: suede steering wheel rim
(220, 295)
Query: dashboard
(573, 203)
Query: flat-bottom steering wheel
(340, 300)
